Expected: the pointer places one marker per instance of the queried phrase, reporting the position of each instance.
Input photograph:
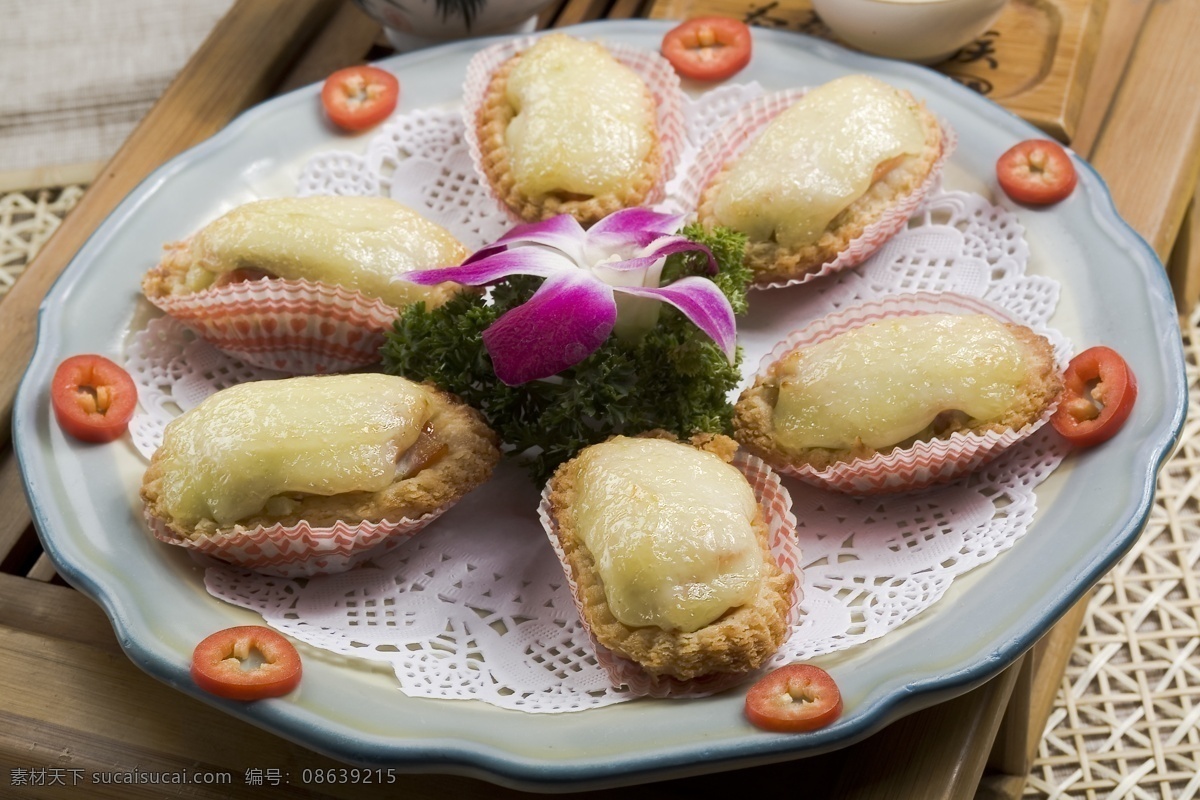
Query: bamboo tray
(1035, 61)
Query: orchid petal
(668, 245)
(628, 230)
(524, 261)
(663, 246)
(637, 220)
(606, 244)
(562, 232)
(564, 322)
(700, 301)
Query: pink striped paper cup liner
(732, 139)
(651, 67)
(776, 506)
(922, 464)
(299, 327)
(298, 550)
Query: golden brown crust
(169, 277)
(472, 451)
(754, 413)
(491, 124)
(740, 641)
(771, 262)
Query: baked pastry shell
(651, 67)
(326, 535)
(924, 463)
(776, 505)
(733, 138)
(300, 550)
(299, 327)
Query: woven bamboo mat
(1126, 723)
(26, 220)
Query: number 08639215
(332, 775)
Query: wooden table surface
(72, 705)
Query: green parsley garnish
(674, 378)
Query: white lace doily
(476, 606)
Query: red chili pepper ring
(1098, 394)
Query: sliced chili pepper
(795, 698)
(1098, 394)
(248, 662)
(1036, 172)
(355, 98)
(708, 48)
(93, 398)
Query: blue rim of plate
(461, 756)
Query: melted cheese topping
(227, 457)
(815, 159)
(356, 242)
(584, 122)
(669, 527)
(887, 381)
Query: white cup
(925, 31)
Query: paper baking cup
(299, 550)
(295, 326)
(735, 136)
(776, 506)
(924, 463)
(651, 67)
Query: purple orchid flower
(598, 281)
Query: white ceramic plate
(84, 498)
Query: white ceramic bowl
(411, 24)
(925, 31)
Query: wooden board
(1035, 60)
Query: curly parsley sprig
(675, 377)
